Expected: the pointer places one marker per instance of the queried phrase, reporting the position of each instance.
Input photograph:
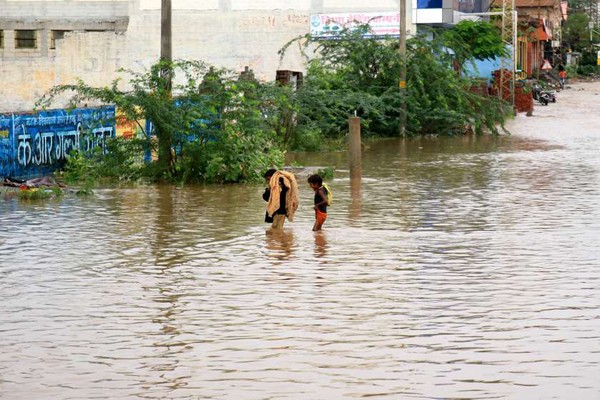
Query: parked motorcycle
(551, 95)
(543, 96)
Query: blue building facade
(445, 12)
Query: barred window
(56, 35)
(25, 39)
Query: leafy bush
(359, 75)
(326, 173)
(587, 70)
(39, 193)
(78, 168)
(214, 125)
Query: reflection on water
(280, 243)
(354, 209)
(453, 268)
(320, 243)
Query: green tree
(473, 40)
(360, 74)
(576, 34)
(213, 127)
(442, 102)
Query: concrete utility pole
(355, 148)
(166, 42)
(402, 54)
(166, 47)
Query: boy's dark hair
(270, 173)
(316, 178)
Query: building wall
(36, 144)
(106, 35)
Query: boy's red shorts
(320, 216)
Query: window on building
(1, 39)
(292, 78)
(56, 35)
(25, 39)
(522, 57)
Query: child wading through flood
(321, 201)
(282, 197)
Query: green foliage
(477, 40)
(122, 161)
(235, 139)
(307, 138)
(210, 124)
(78, 169)
(445, 104)
(126, 159)
(588, 70)
(213, 125)
(576, 34)
(326, 173)
(352, 75)
(358, 75)
(39, 193)
(56, 191)
(576, 37)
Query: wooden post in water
(354, 210)
(402, 54)
(354, 148)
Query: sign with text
(328, 26)
(36, 144)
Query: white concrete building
(47, 42)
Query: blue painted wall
(482, 69)
(36, 144)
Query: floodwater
(461, 268)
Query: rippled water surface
(463, 268)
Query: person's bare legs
(278, 221)
(319, 220)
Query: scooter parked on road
(543, 96)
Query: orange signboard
(127, 128)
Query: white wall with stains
(105, 35)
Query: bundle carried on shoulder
(293, 198)
(328, 193)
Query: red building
(539, 39)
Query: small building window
(292, 78)
(56, 35)
(25, 39)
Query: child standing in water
(316, 183)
